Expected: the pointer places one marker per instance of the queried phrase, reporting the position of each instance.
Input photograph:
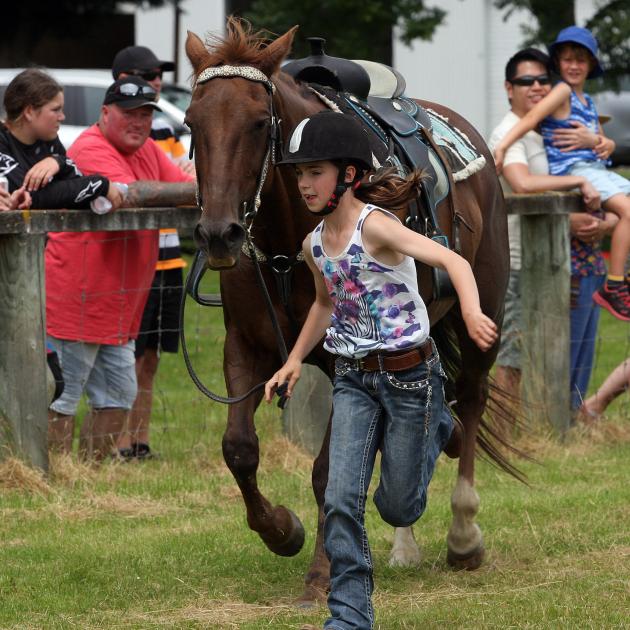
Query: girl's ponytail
(387, 189)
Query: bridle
(250, 211)
(250, 208)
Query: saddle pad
(462, 156)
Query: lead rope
(282, 348)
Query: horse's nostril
(234, 234)
(199, 237)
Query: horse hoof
(292, 544)
(469, 561)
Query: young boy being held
(574, 55)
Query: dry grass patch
(224, 614)
(280, 453)
(16, 475)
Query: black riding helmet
(331, 136)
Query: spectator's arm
(71, 193)
(522, 181)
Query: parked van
(84, 91)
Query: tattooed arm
(160, 194)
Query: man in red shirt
(97, 282)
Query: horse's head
(230, 116)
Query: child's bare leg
(615, 384)
(620, 240)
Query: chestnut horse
(238, 87)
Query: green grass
(165, 544)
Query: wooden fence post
(545, 290)
(23, 390)
(545, 287)
(23, 369)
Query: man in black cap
(98, 282)
(160, 321)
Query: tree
(352, 28)
(610, 24)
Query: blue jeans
(584, 320)
(405, 416)
(106, 372)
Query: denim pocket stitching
(342, 368)
(415, 385)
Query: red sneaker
(616, 302)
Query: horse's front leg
(465, 540)
(278, 527)
(317, 580)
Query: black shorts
(159, 328)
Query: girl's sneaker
(616, 300)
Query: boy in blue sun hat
(574, 57)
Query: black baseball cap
(138, 58)
(527, 54)
(131, 93)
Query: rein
(249, 248)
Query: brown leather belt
(395, 361)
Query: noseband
(250, 208)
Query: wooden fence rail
(23, 392)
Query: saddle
(402, 135)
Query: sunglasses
(131, 89)
(147, 75)
(528, 80)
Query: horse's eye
(260, 124)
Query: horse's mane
(241, 45)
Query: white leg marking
(405, 551)
(464, 535)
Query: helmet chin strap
(340, 189)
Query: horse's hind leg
(464, 540)
(278, 527)
(405, 551)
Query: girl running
(388, 393)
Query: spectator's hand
(604, 147)
(115, 196)
(580, 137)
(499, 156)
(481, 329)
(5, 200)
(188, 167)
(592, 198)
(18, 200)
(289, 373)
(21, 199)
(40, 174)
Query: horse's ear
(196, 51)
(277, 51)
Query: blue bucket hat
(583, 37)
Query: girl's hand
(19, 199)
(604, 147)
(481, 329)
(115, 196)
(5, 200)
(40, 174)
(499, 156)
(592, 198)
(289, 373)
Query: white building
(462, 67)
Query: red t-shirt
(97, 283)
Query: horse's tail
(491, 441)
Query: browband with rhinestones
(245, 72)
